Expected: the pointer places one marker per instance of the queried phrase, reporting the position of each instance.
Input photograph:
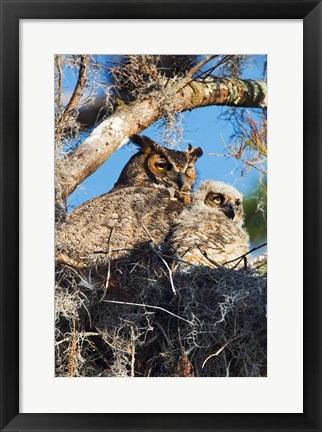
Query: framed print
(160, 240)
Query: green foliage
(255, 208)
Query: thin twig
(164, 262)
(217, 352)
(241, 257)
(148, 306)
(205, 74)
(225, 59)
(192, 71)
(170, 272)
(251, 164)
(114, 347)
(80, 335)
(100, 66)
(207, 257)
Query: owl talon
(64, 259)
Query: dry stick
(240, 258)
(114, 347)
(248, 163)
(192, 71)
(207, 257)
(99, 66)
(225, 59)
(108, 276)
(164, 261)
(148, 306)
(254, 166)
(217, 352)
(205, 74)
(81, 334)
(170, 272)
(77, 94)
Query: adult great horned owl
(157, 166)
(210, 230)
(151, 191)
(110, 226)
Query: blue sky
(201, 127)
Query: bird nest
(138, 317)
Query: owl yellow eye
(163, 165)
(217, 200)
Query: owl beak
(230, 210)
(181, 179)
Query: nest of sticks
(140, 317)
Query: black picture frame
(11, 12)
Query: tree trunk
(130, 119)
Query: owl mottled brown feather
(109, 226)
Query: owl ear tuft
(146, 144)
(194, 153)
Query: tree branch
(77, 94)
(199, 65)
(59, 90)
(130, 119)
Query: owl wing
(114, 223)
